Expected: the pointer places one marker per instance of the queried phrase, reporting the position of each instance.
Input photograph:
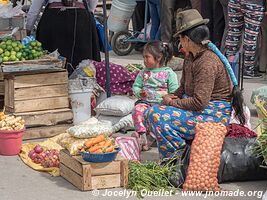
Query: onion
(38, 149)
(31, 153)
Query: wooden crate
(88, 176)
(36, 92)
(47, 117)
(45, 131)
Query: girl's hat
(188, 19)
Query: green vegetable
(150, 176)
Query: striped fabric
(130, 148)
(248, 16)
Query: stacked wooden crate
(41, 98)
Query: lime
(16, 59)
(33, 51)
(30, 47)
(3, 46)
(33, 43)
(14, 44)
(9, 42)
(13, 52)
(19, 55)
(21, 46)
(38, 44)
(13, 58)
(1, 51)
(7, 53)
(5, 59)
(9, 48)
(16, 49)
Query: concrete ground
(18, 181)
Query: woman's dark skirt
(72, 32)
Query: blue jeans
(154, 9)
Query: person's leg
(253, 18)
(168, 8)
(154, 19)
(207, 12)
(138, 118)
(263, 50)
(218, 23)
(224, 4)
(173, 126)
(236, 23)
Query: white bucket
(120, 14)
(80, 96)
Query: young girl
(155, 81)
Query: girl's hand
(143, 93)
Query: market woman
(68, 26)
(205, 93)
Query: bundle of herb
(150, 176)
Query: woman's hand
(168, 98)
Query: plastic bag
(130, 148)
(8, 11)
(177, 179)
(73, 145)
(205, 157)
(85, 69)
(88, 131)
(238, 162)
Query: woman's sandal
(142, 141)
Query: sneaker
(252, 76)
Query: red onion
(38, 149)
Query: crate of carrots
(87, 175)
(99, 149)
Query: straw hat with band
(188, 19)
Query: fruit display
(99, 144)
(11, 123)
(13, 50)
(46, 158)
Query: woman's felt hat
(188, 19)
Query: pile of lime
(12, 50)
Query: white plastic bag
(7, 10)
(88, 131)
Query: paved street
(18, 181)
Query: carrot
(110, 149)
(107, 144)
(94, 148)
(99, 139)
(88, 143)
(99, 151)
(101, 143)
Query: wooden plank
(41, 92)
(106, 181)
(46, 131)
(124, 173)
(46, 118)
(71, 162)
(74, 178)
(2, 87)
(105, 168)
(41, 104)
(41, 79)
(2, 102)
(9, 93)
(87, 177)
